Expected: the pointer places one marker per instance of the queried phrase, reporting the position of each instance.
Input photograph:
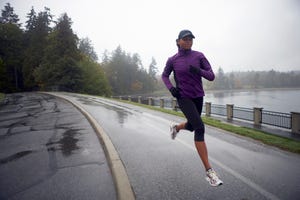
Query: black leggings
(192, 109)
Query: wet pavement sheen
(48, 150)
(161, 168)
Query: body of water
(279, 100)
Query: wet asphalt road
(161, 168)
(69, 163)
(48, 150)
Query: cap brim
(188, 34)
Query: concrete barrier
(162, 103)
(208, 109)
(229, 108)
(174, 104)
(295, 122)
(257, 116)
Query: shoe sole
(173, 135)
(214, 185)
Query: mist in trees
(48, 55)
(86, 47)
(126, 73)
(254, 80)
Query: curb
(121, 180)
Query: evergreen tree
(118, 72)
(30, 23)
(152, 74)
(231, 81)
(37, 31)
(8, 16)
(85, 46)
(221, 81)
(126, 73)
(94, 80)
(153, 69)
(105, 57)
(60, 62)
(11, 45)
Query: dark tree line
(126, 73)
(245, 80)
(48, 55)
(254, 80)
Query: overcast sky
(237, 35)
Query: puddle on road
(67, 144)
(122, 112)
(15, 157)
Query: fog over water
(235, 35)
(281, 100)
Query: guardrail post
(129, 98)
(139, 99)
(229, 108)
(150, 101)
(295, 122)
(257, 116)
(174, 104)
(207, 109)
(120, 97)
(162, 103)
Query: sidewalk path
(48, 150)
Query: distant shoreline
(166, 93)
(250, 90)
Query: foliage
(280, 142)
(59, 67)
(85, 46)
(254, 80)
(2, 96)
(126, 74)
(8, 16)
(94, 80)
(45, 57)
(152, 73)
(36, 33)
(11, 37)
(11, 41)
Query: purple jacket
(189, 84)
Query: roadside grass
(2, 96)
(262, 136)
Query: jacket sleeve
(206, 70)
(166, 73)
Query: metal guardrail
(243, 113)
(256, 115)
(218, 110)
(277, 119)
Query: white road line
(248, 182)
(235, 174)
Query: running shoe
(173, 131)
(212, 178)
